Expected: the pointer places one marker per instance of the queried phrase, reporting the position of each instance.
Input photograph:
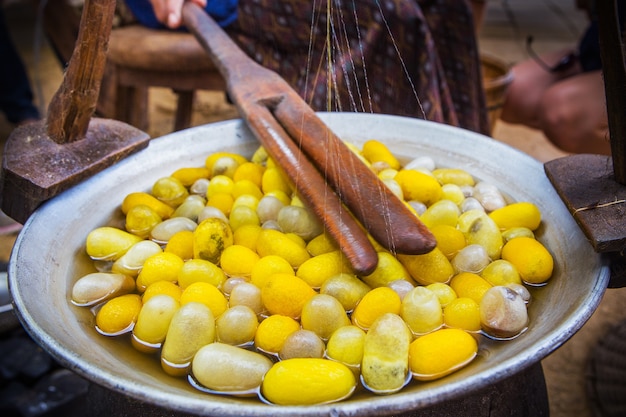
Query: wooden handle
(380, 211)
(286, 125)
(232, 63)
(613, 68)
(247, 81)
(72, 106)
(312, 188)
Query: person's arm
(169, 12)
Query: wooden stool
(140, 58)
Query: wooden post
(72, 106)
(614, 72)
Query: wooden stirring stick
(285, 124)
(382, 214)
(324, 202)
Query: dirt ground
(565, 370)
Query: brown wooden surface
(140, 58)
(35, 168)
(285, 125)
(587, 186)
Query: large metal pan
(49, 256)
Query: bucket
(497, 76)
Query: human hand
(169, 12)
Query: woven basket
(497, 77)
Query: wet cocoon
(227, 368)
(306, 381)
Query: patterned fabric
(403, 57)
(223, 11)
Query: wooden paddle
(43, 159)
(311, 155)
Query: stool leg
(107, 100)
(132, 106)
(184, 110)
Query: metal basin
(49, 255)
